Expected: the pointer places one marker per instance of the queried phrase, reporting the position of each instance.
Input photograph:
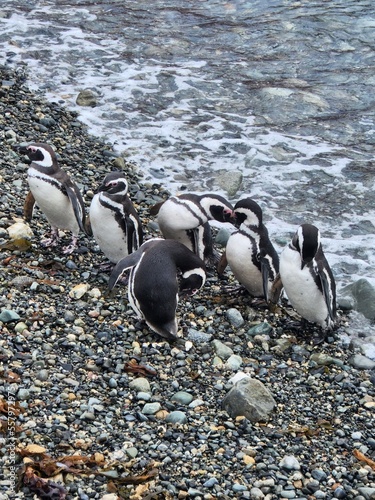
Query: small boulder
(249, 398)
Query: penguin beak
(20, 149)
(188, 292)
(229, 216)
(102, 187)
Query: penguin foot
(53, 239)
(49, 242)
(235, 289)
(105, 266)
(71, 247)
(318, 337)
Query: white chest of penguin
(240, 252)
(107, 231)
(301, 288)
(52, 201)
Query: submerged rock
(361, 295)
(87, 98)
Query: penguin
(249, 251)
(153, 282)
(185, 218)
(115, 223)
(307, 278)
(54, 192)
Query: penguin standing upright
(249, 251)
(57, 196)
(153, 283)
(185, 218)
(115, 223)
(307, 278)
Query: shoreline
(65, 360)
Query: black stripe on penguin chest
(254, 249)
(118, 214)
(51, 181)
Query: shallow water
(278, 92)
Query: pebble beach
(117, 412)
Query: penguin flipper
(122, 266)
(131, 234)
(77, 204)
(28, 206)
(326, 294)
(265, 270)
(88, 229)
(154, 210)
(276, 290)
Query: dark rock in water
(87, 98)
(362, 295)
(249, 398)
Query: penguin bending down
(307, 278)
(115, 223)
(54, 192)
(249, 251)
(185, 218)
(153, 283)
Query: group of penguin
(160, 268)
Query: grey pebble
(235, 317)
(8, 315)
(112, 382)
(176, 417)
(151, 408)
(140, 384)
(222, 350)
(263, 328)
(42, 375)
(290, 462)
(182, 397)
(23, 394)
(362, 362)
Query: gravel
(66, 358)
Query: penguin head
(114, 183)
(306, 241)
(191, 281)
(248, 212)
(217, 208)
(39, 153)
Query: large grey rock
(249, 398)
(361, 295)
(230, 181)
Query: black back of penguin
(156, 281)
(153, 285)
